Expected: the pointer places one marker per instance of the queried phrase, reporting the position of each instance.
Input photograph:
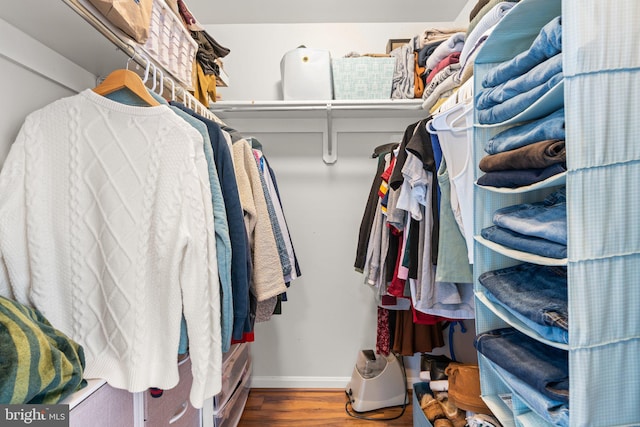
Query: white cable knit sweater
(105, 228)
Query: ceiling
(314, 11)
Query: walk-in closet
(319, 213)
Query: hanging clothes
(455, 137)
(115, 178)
(272, 188)
(369, 211)
(223, 241)
(410, 338)
(240, 256)
(267, 279)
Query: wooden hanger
(125, 79)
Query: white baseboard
(308, 382)
(298, 382)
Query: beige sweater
(267, 280)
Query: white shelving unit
(603, 244)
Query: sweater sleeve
(15, 281)
(200, 286)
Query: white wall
(31, 76)
(331, 314)
(23, 92)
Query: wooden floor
(295, 407)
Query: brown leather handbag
(464, 387)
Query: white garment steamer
(377, 382)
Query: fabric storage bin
(306, 74)
(187, 55)
(363, 77)
(152, 45)
(170, 44)
(419, 417)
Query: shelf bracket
(329, 140)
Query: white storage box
(306, 74)
(363, 77)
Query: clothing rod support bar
(329, 149)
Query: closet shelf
(504, 314)
(556, 180)
(531, 419)
(374, 115)
(500, 410)
(516, 33)
(543, 106)
(525, 417)
(519, 255)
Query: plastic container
(229, 415)
(370, 366)
(233, 369)
(306, 74)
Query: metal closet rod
(140, 59)
(367, 105)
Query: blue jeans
(541, 73)
(519, 177)
(549, 127)
(546, 219)
(553, 411)
(547, 43)
(542, 367)
(535, 294)
(517, 104)
(524, 243)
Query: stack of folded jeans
(513, 86)
(525, 154)
(537, 373)
(534, 294)
(538, 228)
